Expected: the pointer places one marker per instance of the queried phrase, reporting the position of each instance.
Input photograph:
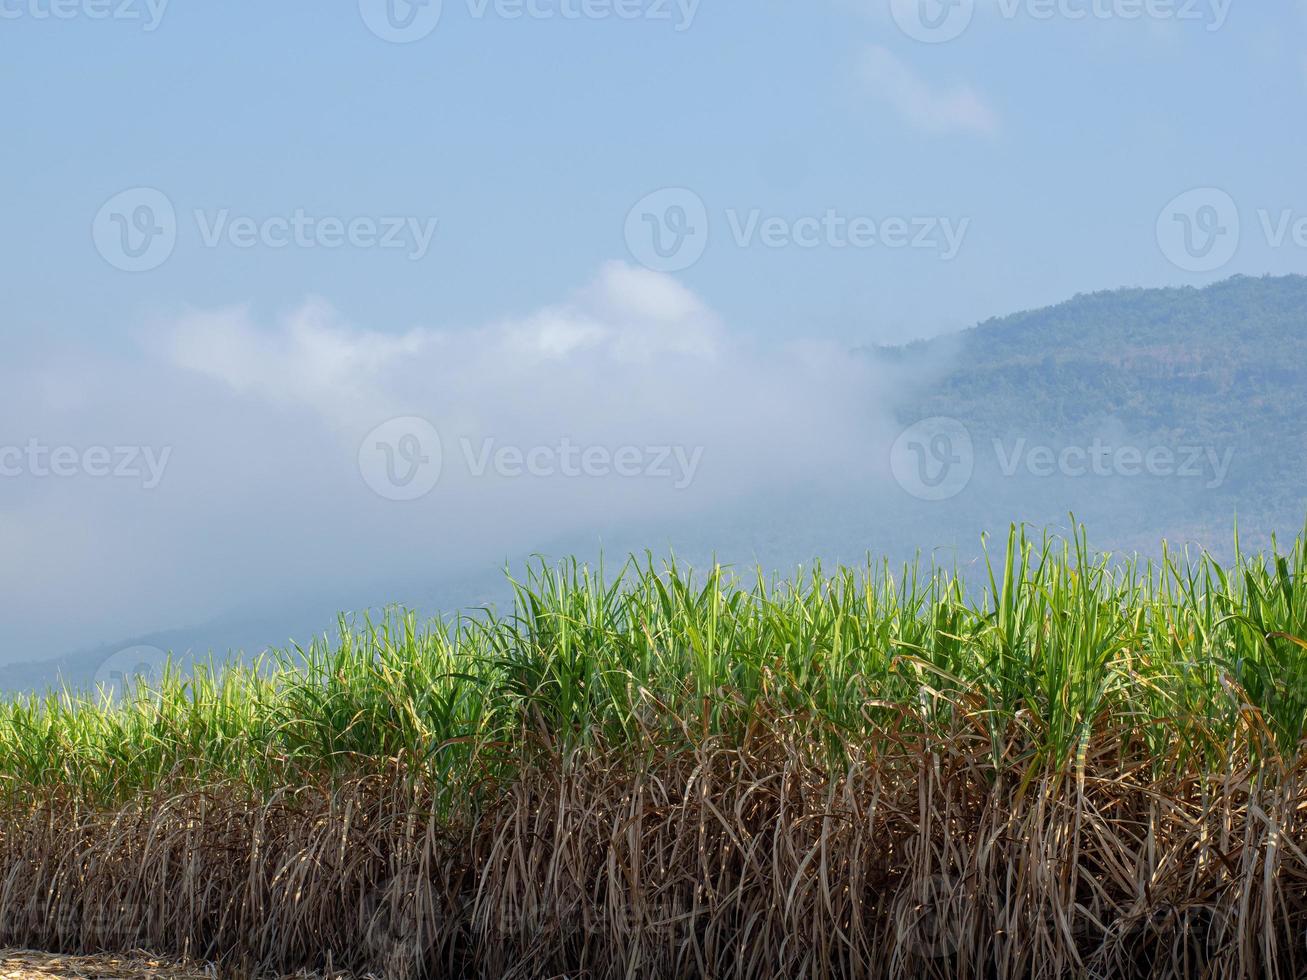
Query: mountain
(1219, 371)
(247, 633)
(1148, 413)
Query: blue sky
(530, 139)
(332, 231)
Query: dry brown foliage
(28, 965)
(923, 861)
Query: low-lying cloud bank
(311, 454)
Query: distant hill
(245, 634)
(1222, 369)
(1153, 357)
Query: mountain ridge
(1221, 367)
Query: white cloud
(312, 359)
(263, 495)
(931, 109)
(628, 314)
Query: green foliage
(1186, 657)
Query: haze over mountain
(1149, 413)
(1219, 372)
